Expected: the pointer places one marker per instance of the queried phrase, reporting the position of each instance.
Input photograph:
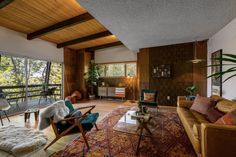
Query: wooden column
(143, 70)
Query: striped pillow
(228, 119)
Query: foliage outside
(13, 73)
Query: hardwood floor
(103, 107)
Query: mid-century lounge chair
(74, 124)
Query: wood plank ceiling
(63, 22)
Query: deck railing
(22, 93)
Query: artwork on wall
(216, 83)
(161, 71)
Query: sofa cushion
(188, 120)
(202, 104)
(213, 114)
(226, 106)
(199, 117)
(197, 130)
(228, 119)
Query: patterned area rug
(169, 139)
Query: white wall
(115, 54)
(15, 43)
(225, 39)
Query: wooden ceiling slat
(28, 16)
(67, 23)
(84, 39)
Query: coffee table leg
(139, 140)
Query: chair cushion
(69, 105)
(149, 97)
(87, 123)
(228, 119)
(202, 104)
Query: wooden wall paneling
(182, 71)
(200, 69)
(69, 71)
(143, 69)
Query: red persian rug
(169, 139)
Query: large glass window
(36, 71)
(25, 79)
(118, 69)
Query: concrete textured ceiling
(148, 23)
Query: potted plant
(230, 59)
(91, 77)
(191, 90)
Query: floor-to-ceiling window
(23, 81)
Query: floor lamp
(131, 81)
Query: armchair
(148, 98)
(74, 124)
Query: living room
(117, 78)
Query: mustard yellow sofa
(208, 139)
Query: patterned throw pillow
(202, 104)
(149, 97)
(213, 114)
(228, 119)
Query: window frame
(125, 70)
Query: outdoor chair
(4, 106)
(79, 123)
(148, 98)
(48, 93)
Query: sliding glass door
(23, 81)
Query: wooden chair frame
(75, 124)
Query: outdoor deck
(21, 98)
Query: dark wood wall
(75, 65)
(184, 74)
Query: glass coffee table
(135, 123)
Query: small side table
(143, 121)
(32, 110)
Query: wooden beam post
(84, 39)
(90, 49)
(58, 26)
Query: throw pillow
(149, 97)
(202, 104)
(69, 105)
(213, 114)
(228, 119)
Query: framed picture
(216, 83)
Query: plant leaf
(229, 77)
(230, 55)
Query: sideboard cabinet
(119, 92)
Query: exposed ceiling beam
(4, 3)
(61, 25)
(84, 39)
(91, 49)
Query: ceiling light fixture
(195, 60)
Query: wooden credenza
(119, 92)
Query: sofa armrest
(183, 102)
(218, 140)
